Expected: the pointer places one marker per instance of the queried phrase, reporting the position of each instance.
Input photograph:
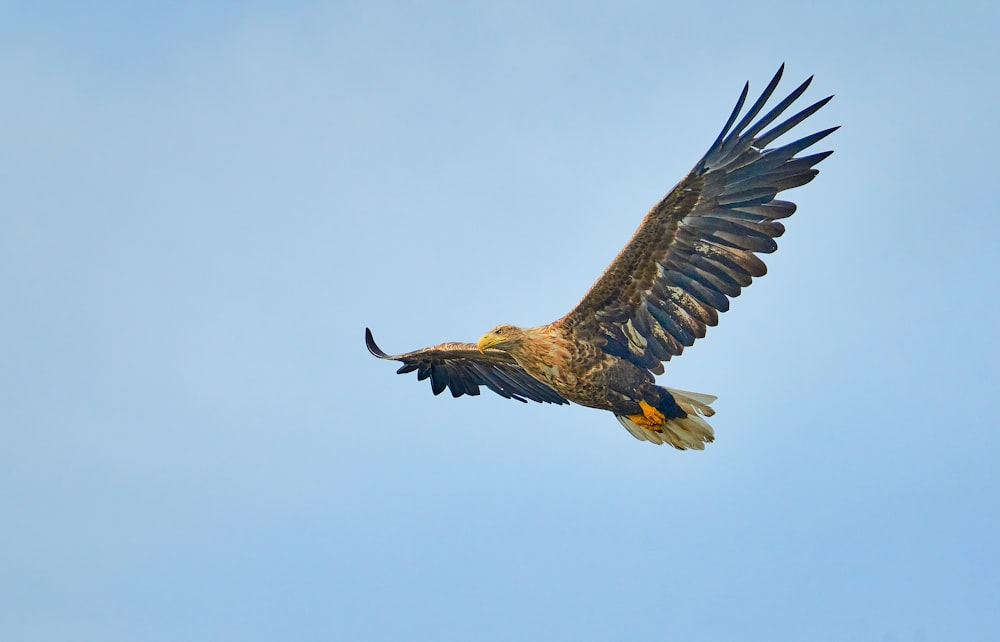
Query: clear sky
(202, 205)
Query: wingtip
(778, 74)
(372, 346)
(826, 132)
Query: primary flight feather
(694, 250)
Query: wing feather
(462, 369)
(697, 248)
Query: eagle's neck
(546, 354)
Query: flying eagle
(693, 251)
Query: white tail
(690, 432)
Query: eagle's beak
(484, 342)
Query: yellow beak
(485, 341)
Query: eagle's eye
(499, 330)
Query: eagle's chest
(557, 365)
(554, 372)
(548, 372)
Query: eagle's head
(502, 337)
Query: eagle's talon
(650, 417)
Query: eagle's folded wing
(462, 368)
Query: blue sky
(204, 206)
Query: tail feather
(680, 432)
(696, 400)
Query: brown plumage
(693, 251)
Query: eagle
(694, 251)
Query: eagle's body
(693, 251)
(578, 370)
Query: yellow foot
(650, 417)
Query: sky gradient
(204, 206)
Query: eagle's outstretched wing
(696, 248)
(461, 368)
